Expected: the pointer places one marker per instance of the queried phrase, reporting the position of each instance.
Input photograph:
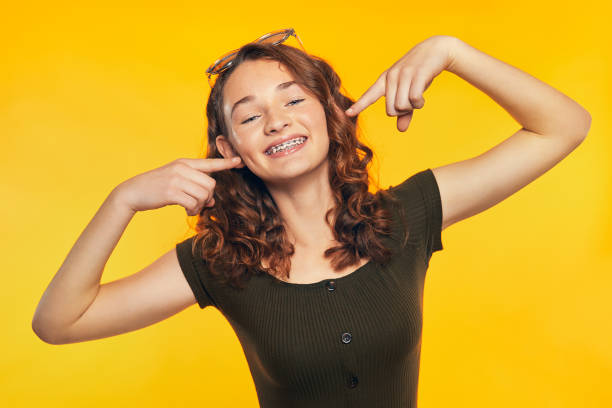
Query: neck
(302, 204)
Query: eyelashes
(296, 100)
(290, 103)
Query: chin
(297, 170)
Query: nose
(277, 121)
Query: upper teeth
(285, 145)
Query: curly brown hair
(244, 226)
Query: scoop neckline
(323, 282)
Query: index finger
(369, 97)
(214, 164)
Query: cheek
(245, 133)
(319, 121)
(241, 137)
(315, 118)
(237, 140)
(242, 145)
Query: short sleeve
(419, 197)
(194, 273)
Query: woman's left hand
(405, 81)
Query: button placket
(352, 379)
(346, 338)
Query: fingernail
(236, 159)
(349, 111)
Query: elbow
(44, 334)
(39, 332)
(573, 129)
(579, 129)
(585, 126)
(588, 123)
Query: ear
(226, 149)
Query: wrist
(454, 47)
(118, 199)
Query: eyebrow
(249, 98)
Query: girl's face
(262, 108)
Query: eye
(296, 100)
(249, 119)
(290, 103)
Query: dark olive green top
(353, 341)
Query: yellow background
(517, 305)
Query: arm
(75, 307)
(537, 107)
(553, 125)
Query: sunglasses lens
(223, 62)
(274, 38)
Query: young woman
(321, 279)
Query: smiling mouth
(286, 145)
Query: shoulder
(418, 203)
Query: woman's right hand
(184, 181)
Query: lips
(284, 139)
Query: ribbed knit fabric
(354, 341)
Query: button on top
(346, 338)
(353, 381)
(331, 286)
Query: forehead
(254, 78)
